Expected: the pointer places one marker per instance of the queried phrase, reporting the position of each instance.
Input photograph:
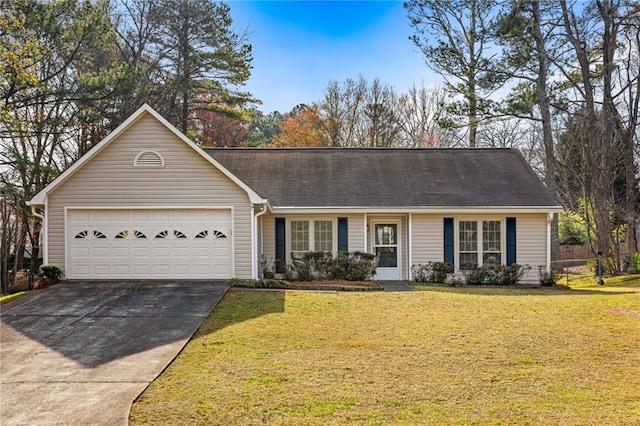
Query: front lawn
(437, 356)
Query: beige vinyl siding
(355, 231)
(269, 237)
(187, 179)
(428, 238)
(531, 238)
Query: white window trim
(311, 220)
(503, 238)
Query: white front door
(386, 245)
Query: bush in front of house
(319, 265)
(431, 273)
(354, 266)
(51, 271)
(547, 278)
(500, 275)
(263, 283)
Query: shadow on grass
(238, 306)
(529, 291)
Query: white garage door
(141, 244)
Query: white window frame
(480, 233)
(311, 236)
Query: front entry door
(385, 246)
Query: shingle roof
(353, 177)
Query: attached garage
(107, 243)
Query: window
(218, 234)
(299, 238)
(468, 232)
(202, 234)
(491, 247)
(82, 234)
(162, 234)
(139, 234)
(310, 235)
(122, 234)
(477, 249)
(99, 235)
(323, 235)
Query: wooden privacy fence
(577, 255)
(574, 255)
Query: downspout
(410, 248)
(366, 225)
(45, 251)
(254, 242)
(549, 220)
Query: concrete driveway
(79, 353)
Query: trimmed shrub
(51, 271)
(496, 275)
(431, 273)
(356, 266)
(547, 278)
(263, 283)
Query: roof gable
(40, 197)
(417, 178)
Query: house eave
(416, 209)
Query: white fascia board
(40, 197)
(435, 210)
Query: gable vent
(149, 158)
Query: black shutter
(343, 235)
(448, 242)
(511, 241)
(281, 254)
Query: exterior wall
(268, 249)
(355, 230)
(187, 179)
(427, 240)
(427, 243)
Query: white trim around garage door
(68, 209)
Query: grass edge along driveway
(442, 355)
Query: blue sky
(299, 47)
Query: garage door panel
(120, 252)
(121, 270)
(100, 252)
(101, 270)
(171, 243)
(80, 252)
(141, 252)
(161, 252)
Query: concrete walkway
(395, 286)
(80, 353)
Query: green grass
(587, 279)
(437, 356)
